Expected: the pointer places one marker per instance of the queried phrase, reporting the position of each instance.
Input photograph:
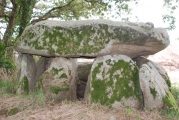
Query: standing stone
(154, 83)
(114, 82)
(26, 73)
(59, 80)
(41, 66)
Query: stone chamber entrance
(83, 70)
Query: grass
(35, 105)
(36, 95)
(8, 86)
(175, 92)
(8, 81)
(171, 113)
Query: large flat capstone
(92, 38)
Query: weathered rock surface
(26, 73)
(58, 81)
(114, 82)
(154, 83)
(91, 38)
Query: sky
(152, 11)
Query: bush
(170, 112)
(175, 92)
(8, 86)
(5, 62)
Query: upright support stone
(155, 85)
(114, 82)
(59, 80)
(26, 74)
(41, 66)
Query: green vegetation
(37, 94)
(9, 87)
(153, 92)
(55, 71)
(26, 84)
(56, 89)
(63, 76)
(170, 101)
(5, 62)
(168, 81)
(172, 111)
(175, 93)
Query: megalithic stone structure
(114, 79)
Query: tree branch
(9, 30)
(25, 12)
(49, 13)
(5, 16)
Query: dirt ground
(23, 108)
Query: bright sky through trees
(152, 11)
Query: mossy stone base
(58, 81)
(114, 82)
(26, 73)
(155, 84)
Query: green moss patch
(55, 71)
(63, 76)
(56, 90)
(168, 81)
(153, 92)
(24, 84)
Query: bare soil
(27, 108)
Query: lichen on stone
(56, 89)
(81, 40)
(168, 81)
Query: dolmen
(120, 75)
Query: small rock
(112, 118)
